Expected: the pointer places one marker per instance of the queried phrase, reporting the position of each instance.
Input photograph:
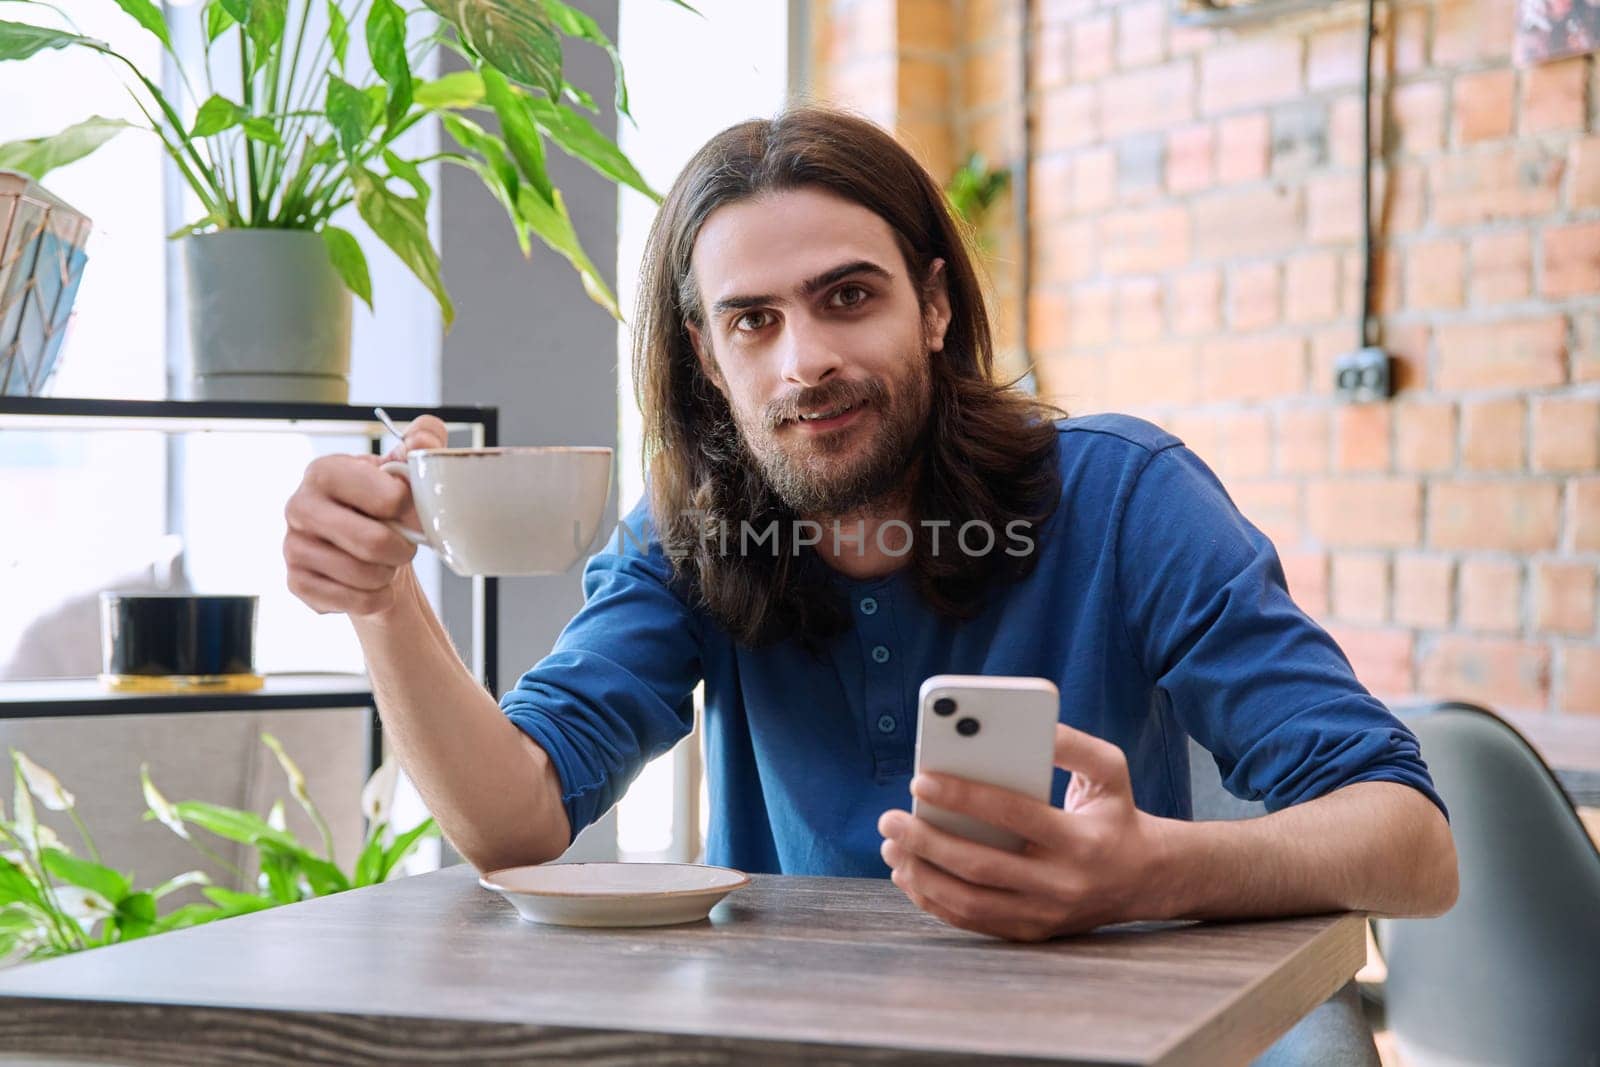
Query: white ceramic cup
(506, 511)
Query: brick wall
(1195, 227)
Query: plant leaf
(159, 806)
(402, 224)
(19, 40)
(348, 113)
(42, 784)
(551, 222)
(578, 137)
(148, 16)
(16, 884)
(278, 870)
(369, 865)
(187, 916)
(516, 37)
(581, 25)
(136, 908)
(338, 32)
(494, 176)
(350, 261)
(218, 20)
(235, 903)
(262, 129)
(520, 131)
(215, 115)
(38, 156)
(245, 827)
(177, 882)
(386, 45)
(462, 88)
(402, 846)
(110, 884)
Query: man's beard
(834, 473)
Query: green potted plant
(283, 128)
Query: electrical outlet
(1363, 377)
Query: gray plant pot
(269, 317)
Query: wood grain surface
(434, 969)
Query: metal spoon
(388, 423)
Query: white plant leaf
(44, 785)
(297, 780)
(276, 817)
(377, 796)
(187, 878)
(83, 906)
(160, 805)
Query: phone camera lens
(944, 706)
(967, 727)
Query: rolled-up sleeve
(616, 691)
(1250, 676)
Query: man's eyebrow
(809, 287)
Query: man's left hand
(1094, 860)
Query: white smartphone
(999, 730)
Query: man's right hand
(342, 556)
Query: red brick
(1244, 145)
(1190, 151)
(1586, 353)
(1047, 320)
(1069, 117)
(1585, 162)
(1333, 208)
(1501, 267)
(1344, 130)
(1249, 72)
(1387, 279)
(1365, 512)
(1586, 514)
(1491, 595)
(1076, 383)
(1505, 675)
(1518, 181)
(1144, 241)
(1140, 315)
(1334, 58)
(1418, 117)
(1425, 437)
(1382, 658)
(1409, 29)
(1361, 587)
(1572, 260)
(1363, 437)
(1272, 506)
(1493, 433)
(1196, 302)
(1094, 179)
(1065, 252)
(1251, 368)
(1221, 230)
(1580, 688)
(1311, 287)
(1409, 345)
(1507, 353)
(1151, 375)
(1141, 33)
(1564, 597)
(1253, 296)
(1469, 30)
(1435, 275)
(1422, 590)
(1307, 576)
(1051, 193)
(1566, 434)
(1092, 47)
(1485, 103)
(1302, 440)
(1146, 100)
(988, 76)
(1052, 56)
(1403, 212)
(1245, 438)
(1497, 516)
(1089, 316)
(1553, 96)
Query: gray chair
(1511, 974)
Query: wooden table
(789, 970)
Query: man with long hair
(842, 502)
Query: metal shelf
(56, 697)
(203, 416)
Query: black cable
(1366, 332)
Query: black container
(167, 641)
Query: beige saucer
(614, 894)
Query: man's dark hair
(987, 453)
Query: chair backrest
(1511, 975)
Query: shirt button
(880, 654)
(886, 724)
(869, 606)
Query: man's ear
(702, 351)
(936, 304)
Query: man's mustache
(788, 407)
